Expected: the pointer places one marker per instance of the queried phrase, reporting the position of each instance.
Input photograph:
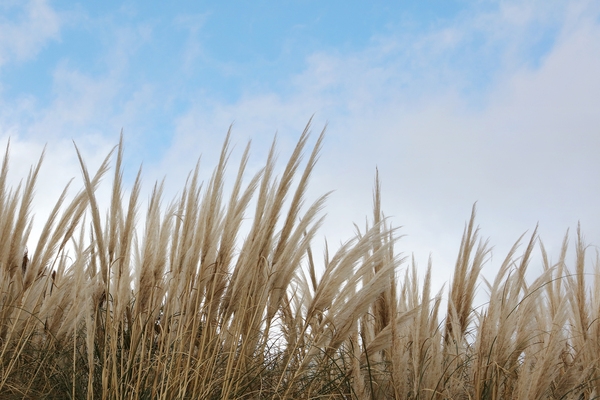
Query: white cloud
(524, 148)
(23, 39)
(193, 49)
(89, 108)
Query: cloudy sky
(455, 102)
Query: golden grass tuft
(185, 308)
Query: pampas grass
(184, 307)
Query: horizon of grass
(183, 308)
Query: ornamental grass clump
(184, 307)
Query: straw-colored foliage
(186, 307)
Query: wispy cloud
(521, 142)
(23, 37)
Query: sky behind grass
(453, 101)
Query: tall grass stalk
(184, 307)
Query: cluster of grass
(185, 308)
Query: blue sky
(454, 101)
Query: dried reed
(184, 308)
